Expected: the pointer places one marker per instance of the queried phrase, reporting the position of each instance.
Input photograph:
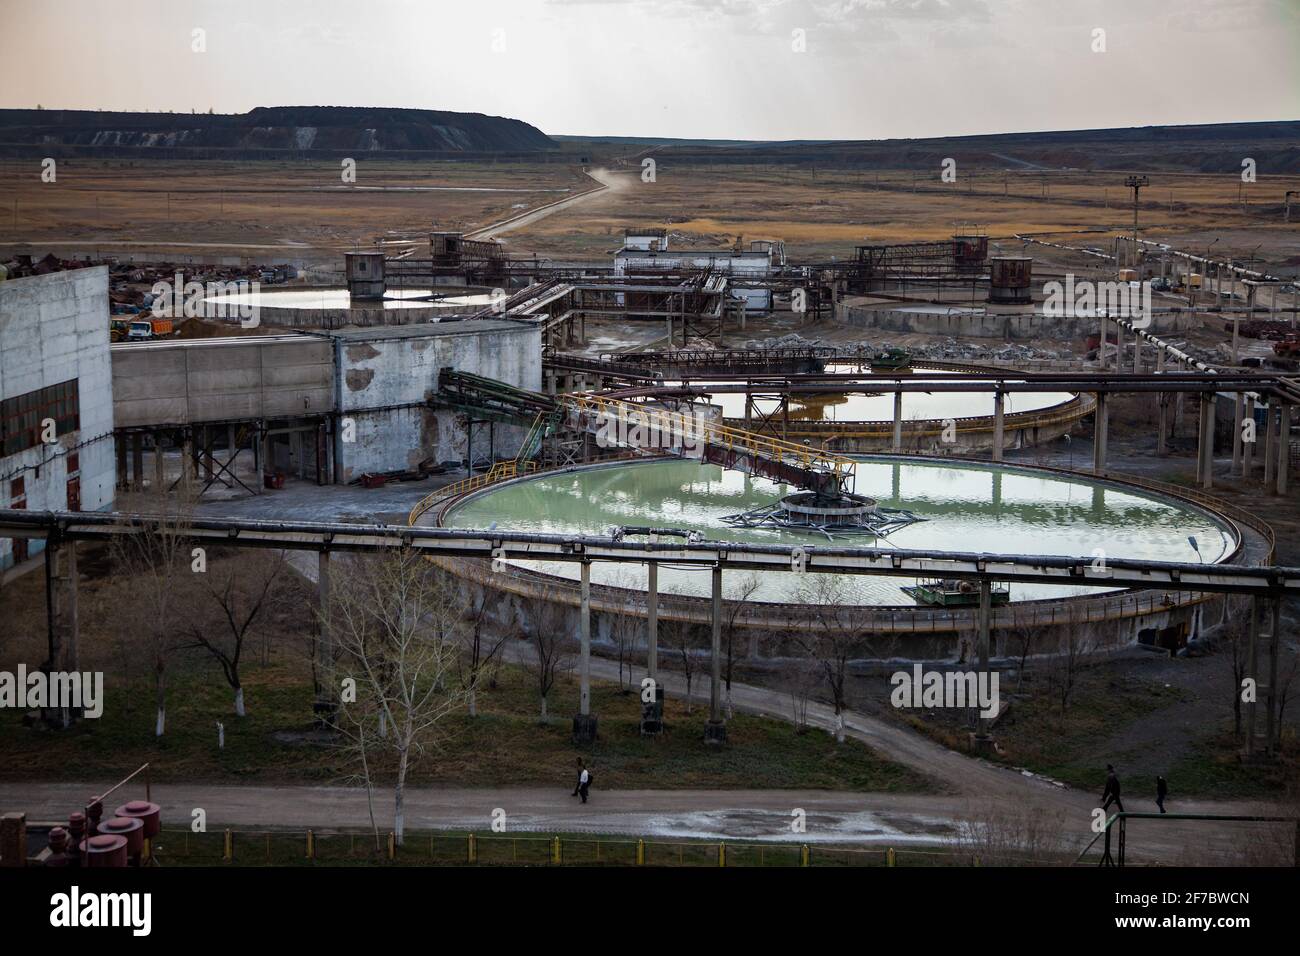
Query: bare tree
(241, 593)
(799, 684)
(742, 592)
(1066, 667)
(1234, 642)
(833, 635)
(680, 638)
(395, 623)
(478, 649)
(543, 629)
(624, 622)
(159, 562)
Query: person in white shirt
(584, 782)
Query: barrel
(105, 850)
(150, 814)
(130, 827)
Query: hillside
(334, 129)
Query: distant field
(297, 206)
(825, 212)
(819, 212)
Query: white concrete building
(56, 397)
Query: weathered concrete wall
(389, 375)
(54, 328)
(989, 325)
(211, 380)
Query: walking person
(1111, 792)
(1162, 790)
(584, 781)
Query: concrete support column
(1101, 347)
(119, 443)
(327, 687)
(1101, 416)
(1137, 354)
(584, 722)
(715, 731)
(1162, 423)
(1270, 698)
(984, 620)
(1270, 445)
(1119, 347)
(1252, 671)
(898, 421)
(1205, 444)
(159, 465)
(1283, 448)
(1248, 447)
(999, 418)
(1238, 416)
(71, 621)
(652, 622)
(53, 620)
(137, 462)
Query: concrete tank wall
(210, 380)
(967, 323)
(389, 376)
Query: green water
(879, 407)
(969, 507)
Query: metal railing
(434, 848)
(690, 429)
(1117, 858)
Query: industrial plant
(370, 478)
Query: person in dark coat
(1111, 793)
(1162, 790)
(584, 782)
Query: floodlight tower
(1136, 183)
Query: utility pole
(1136, 183)
(1286, 216)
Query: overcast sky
(724, 69)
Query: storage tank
(1010, 278)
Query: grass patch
(506, 745)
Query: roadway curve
(604, 179)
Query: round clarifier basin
(339, 298)
(850, 406)
(967, 507)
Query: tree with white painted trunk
(397, 626)
(241, 592)
(158, 561)
(834, 632)
(543, 629)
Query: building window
(21, 416)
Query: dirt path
(603, 177)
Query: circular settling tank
(337, 299)
(966, 507)
(862, 406)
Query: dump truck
(144, 329)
